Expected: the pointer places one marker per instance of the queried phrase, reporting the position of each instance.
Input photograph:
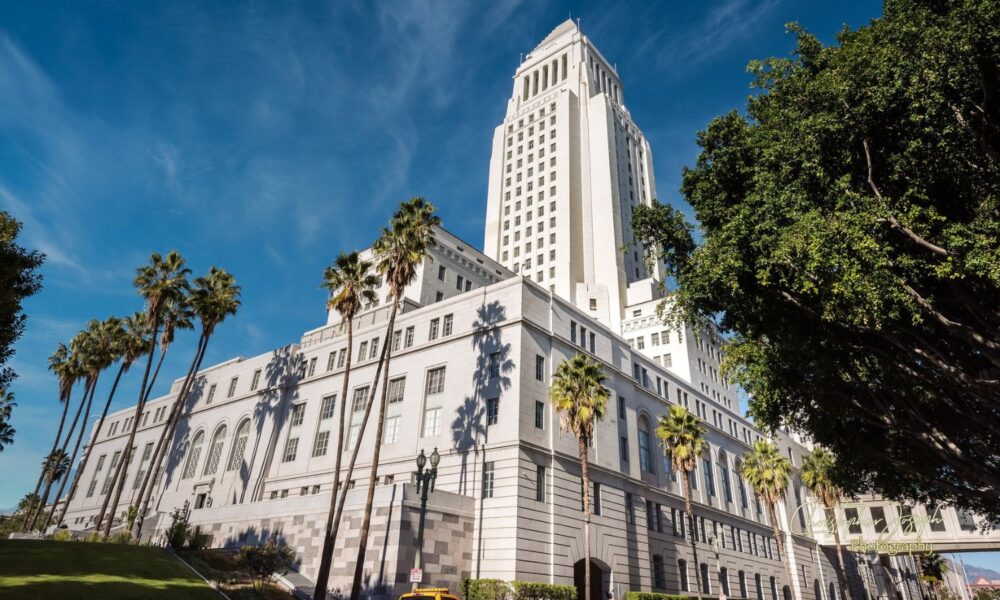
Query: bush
(527, 590)
(178, 533)
(486, 589)
(654, 596)
(197, 540)
(62, 535)
(262, 563)
(122, 537)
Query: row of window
(545, 76)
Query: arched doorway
(596, 581)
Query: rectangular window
(362, 351)
(593, 342)
(326, 408)
(540, 483)
(409, 337)
(291, 448)
(320, 446)
(360, 399)
(352, 436)
(211, 394)
(312, 367)
(572, 331)
(435, 381)
(371, 355)
(853, 523)
(232, 387)
(623, 447)
(255, 381)
(448, 323)
(341, 356)
(494, 365)
(298, 413)
(397, 338)
(709, 478)
(621, 407)
(459, 283)
(539, 414)
(629, 509)
(433, 331)
(441, 272)
(597, 498)
(488, 480)
(650, 515)
(882, 526)
(432, 421)
(539, 367)
(391, 430)
(331, 361)
(396, 388)
(492, 411)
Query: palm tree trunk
(93, 440)
(845, 591)
(359, 566)
(350, 469)
(148, 482)
(69, 435)
(41, 476)
(122, 473)
(72, 458)
(692, 529)
(781, 545)
(330, 536)
(585, 476)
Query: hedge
(654, 596)
(497, 589)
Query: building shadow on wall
(490, 378)
(252, 536)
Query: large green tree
(850, 247)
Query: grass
(39, 569)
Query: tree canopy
(850, 248)
(19, 278)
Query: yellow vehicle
(429, 594)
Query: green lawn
(39, 569)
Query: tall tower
(568, 168)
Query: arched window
(743, 584)
(194, 455)
(727, 490)
(817, 589)
(833, 592)
(786, 593)
(239, 445)
(724, 580)
(215, 451)
(682, 570)
(774, 588)
(760, 588)
(645, 453)
(706, 587)
(658, 572)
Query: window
(435, 381)
(724, 580)
(439, 297)
(459, 283)
(214, 452)
(539, 414)
(391, 435)
(629, 509)
(396, 388)
(331, 361)
(340, 357)
(211, 395)
(362, 351)
(494, 365)
(727, 487)
(853, 523)
(597, 499)
(433, 331)
(906, 522)
(966, 520)
(232, 387)
(441, 272)
(298, 413)
(706, 587)
(409, 337)
(743, 584)
(488, 480)
(360, 399)
(623, 447)
(239, 446)
(321, 443)
(448, 321)
(933, 515)
(540, 483)
(709, 477)
(371, 355)
(539, 367)
(312, 368)
(645, 455)
(193, 456)
(397, 338)
(256, 380)
(327, 406)
(291, 448)
(621, 407)
(658, 572)
(352, 436)
(492, 411)
(683, 572)
(432, 421)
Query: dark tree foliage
(850, 227)
(18, 280)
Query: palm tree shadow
(178, 444)
(491, 377)
(281, 375)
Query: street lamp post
(715, 543)
(425, 484)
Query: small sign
(416, 575)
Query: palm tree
(683, 439)
(934, 568)
(768, 473)
(399, 251)
(55, 466)
(7, 405)
(578, 393)
(351, 284)
(76, 361)
(817, 475)
(162, 281)
(214, 297)
(61, 364)
(110, 342)
(177, 314)
(98, 354)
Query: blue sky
(267, 137)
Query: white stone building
(474, 348)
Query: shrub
(178, 533)
(528, 590)
(262, 563)
(486, 589)
(197, 540)
(62, 535)
(654, 596)
(122, 537)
